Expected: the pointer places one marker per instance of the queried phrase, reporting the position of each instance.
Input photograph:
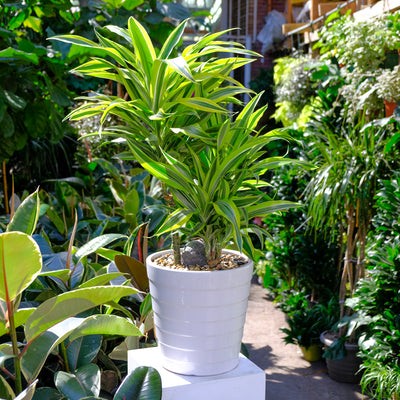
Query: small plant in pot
(178, 127)
(306, 326)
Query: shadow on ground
(288, 375)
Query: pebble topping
(227, 261)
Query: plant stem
(14, 341)
(176, 247)
(63, 352)
(5, 188)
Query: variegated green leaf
(172, 41)
(143, 46)
(228, 210)
(203, 104)
(179, 65)
(268, 207)
(174, 221)
(74, 39)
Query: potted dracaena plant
(176, 123)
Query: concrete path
(288, 375)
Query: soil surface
(288, 375)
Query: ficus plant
(31, 331)
(177, 125)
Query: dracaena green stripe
(84, 112)
(232, 161)
(225, 135)
(244, 116)
(96, 64)
(74, 39)
(119, 31)
(224, 93)
(276, 162)
(247, 200)
(248, 247)
(196, 131)
(268, 207)
(255, 118)
(185, 199)
(228, 210)
(143, 46)
(158, 83)
(204, 41)
(179, 167)
(224, 189)
(165, 173)
(172, 40)
(113, 53)
(179, 65)
(203, 104)
(125, 53)
(231, 50)
(198, 166)
(110, 107)
(174, 221)
(135, 87)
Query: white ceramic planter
(199, 316)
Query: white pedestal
(246, 381)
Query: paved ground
(288, 375)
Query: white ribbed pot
(199, 316)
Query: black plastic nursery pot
(344, 369)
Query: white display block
(246, 381)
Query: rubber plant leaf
(26, 215)
(143, 383)
(20, 263)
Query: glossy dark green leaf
(83, 350)
(85, 381)
(97, 243)
(143, 383)
(47, 393)
(7, 127)
(6, 392)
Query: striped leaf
(228, 210)
(143, 45)
(268, 207)
(232, 161)
(203, 104)
(119, 31)
(179, 65)
(161, 171)
(172, 41)
(225, 92)
(174, 221)
(74, 39)
(125, 53)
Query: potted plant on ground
(353, 155)
(305, 327)
(178, 127)
(376, 302)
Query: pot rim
(150, 261)
(328, 342)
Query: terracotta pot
(199, 316)
(312, 353)
(344, 369)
